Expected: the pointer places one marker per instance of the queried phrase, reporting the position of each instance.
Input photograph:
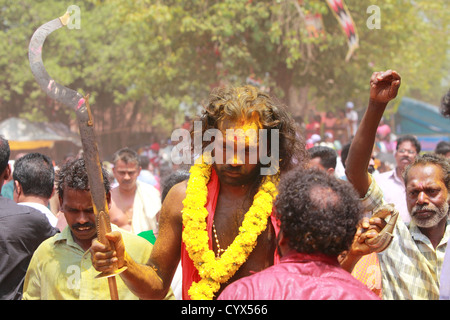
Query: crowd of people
(221, 229)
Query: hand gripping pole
(80, 104)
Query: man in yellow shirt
(61, 267)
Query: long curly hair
(318, 212)
(247, 103)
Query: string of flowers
(213, 270)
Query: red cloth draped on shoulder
(190, 272)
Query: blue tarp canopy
(422, 120)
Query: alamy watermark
(75, 17)
(374, 21)
(237, 146)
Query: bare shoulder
(173, 203)
(166, 251)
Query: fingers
(388, 76)
(104, 261)
(103, 258)
(369, 228)
(114, 236)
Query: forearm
(362, 146)
(143, 280)
(349, 261)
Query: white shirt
(352, 116)
(394, 192)
(46, 211)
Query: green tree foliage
(147, 63)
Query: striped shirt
(410, 266)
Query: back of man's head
(318, 212)
(171, 180)
(445, 104)
(443, 148)
(144, 162)
(5, 153)
(35, 174)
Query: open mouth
(83, 228)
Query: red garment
(300, 276)
(190, 272)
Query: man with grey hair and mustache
(411, 265)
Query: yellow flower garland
(212, 270)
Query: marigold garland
(212, 270)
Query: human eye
(90, 210)
(412, 193)
(433, 191)
(71, 210)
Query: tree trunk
(296, 98)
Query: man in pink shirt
(391, 182)
(318, 215)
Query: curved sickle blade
(66, 96)
(80, 105)
(384, 238)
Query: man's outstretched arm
(383, 88)
(151, 281)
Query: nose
(422, 198)
(127, 176)
(237, 161)
(83, 217)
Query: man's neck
(84, 244)
(127, 191)
(237, 191)
(33, 199)
(399, 173)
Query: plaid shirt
(410, 266)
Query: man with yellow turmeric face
(237, 147)
(219, 222)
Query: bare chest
(228, 218)
(121, 212)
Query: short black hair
(5, 153)
(443, 147)
(317, 211)
(36, 175)
(410, 138)
(344, 153)
(144, 162)
(171, 180)
(327, 155)
(73, 174)
(445, 105)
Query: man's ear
(6, 173)
(282, 239)
(17, 192)
(17, 187)
(108, 199)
